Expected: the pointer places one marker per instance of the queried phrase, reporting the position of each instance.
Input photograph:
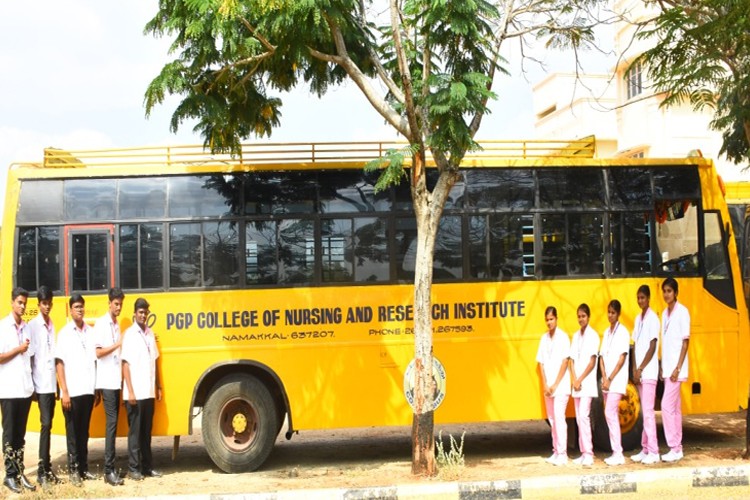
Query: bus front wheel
(239, 423)
(631, 420)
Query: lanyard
(112, 329)
(145, 341)
(19, 332)
(48, 325)
(81, 337)
(611, 336)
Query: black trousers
(111, 399)
(46, 404)
(140, 421)
(77, 421)
(15, 415)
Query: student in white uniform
(140, 373)
(552, 356)
(75, 360)
(108, 341)
(15, 390)
(645, 373)
(675, 338)
(43, 373)
(613, 357)
(583, 353)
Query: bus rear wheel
(239, 423)
(631, 420)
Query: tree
(435, 61)
(702, 55)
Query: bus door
(89, 258)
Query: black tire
(240, 423)
(631, 420)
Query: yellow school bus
(280, 280)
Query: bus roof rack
(260, 153)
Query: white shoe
(638, 457)
(650, 459)
(560, 460)
(615, 460)
(587, 461)
(551, 459)
(579, 460)
(672, 456)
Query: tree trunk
(422, 432)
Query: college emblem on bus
(438, 383)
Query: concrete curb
(565, 486)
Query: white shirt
(553, 352)
(108, 369)
(614, 344)
(675, 327)
(582, 349)
(75, 348)
(140, 351)
(645, 330)
(15, 375)
(43, 362)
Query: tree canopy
(702, 56)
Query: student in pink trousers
(675, 338)
(613, 359)
(583, 352)
(552, 356)
(645, 373)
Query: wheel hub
(239, 423)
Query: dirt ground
(373, 457)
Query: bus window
(677, 237)
(718, 275)
(39, 257)
(296, 251)
(336, 250)
(496, 246)
(500, 189)
(141, 256)
(571, 188)
(372, 260)
(630, 188)
(89, 199)
(142, 198)
(40, 201)
(630, 243)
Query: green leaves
(702, 56)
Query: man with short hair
(43, 373)
(75, 361)
(141, 376)
(108, 342)
(15, 390)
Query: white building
(622, 111)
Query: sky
(73, 75)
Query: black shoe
(52, 477)
(26, 483)
(113, 479)
(12, 485)
(152, 473)
(75, 479)
(88, 476)
(135, 476)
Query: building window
(634, 80)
